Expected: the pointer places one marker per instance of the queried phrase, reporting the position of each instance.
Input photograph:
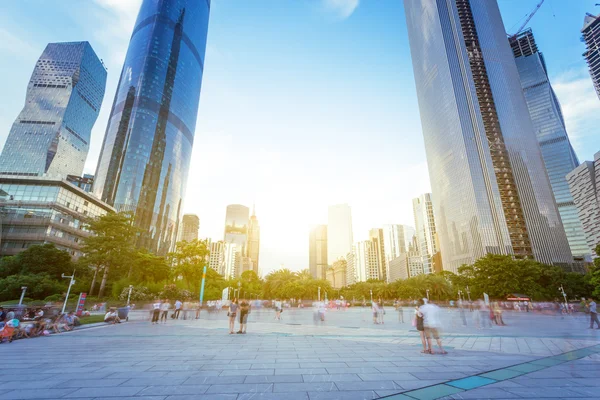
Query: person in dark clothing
(244, 311)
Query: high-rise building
(376, 236)
(414, 259)
(549, 125)
(190, 224)
(393, 241)
(339, 232)
(409, 232)
(591, 36)
(317, 251)
(398, 268)
(145, 157)
(491, 192)
(216, 259)
(350, 269)
(84, 182)
(51, 135)
(366, 265)
(336, 274)
(584, 182)
(254, 241)
(237, 219)
(425, 230)
(232, 260)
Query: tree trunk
(103, 284)
(93, 285)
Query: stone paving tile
(371, 385)
(400, 376)
(152, 382)
(331, 378)
(368, 370)
(391, 370)
(221, 396)
(485, 393)
(439, 375)
(417, 384)
(248, 372)
(118, 391)
(173, 390)
(305, 387)
(371, 395)
(274, 379)
(36, 393)
(272, 396)
(127, 375)
(543, 392)
(241, 388)
(81, 383)
(301, 371)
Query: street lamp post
(562, 290)
(427, 290)
(459, 296)
(129, 294)
(23, 290)
(71, 283)
(371, 293)
(319, 294)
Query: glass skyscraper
(490, 189)
(425, 230)
(51, 135)
(145, 158)
(591, 36)
(549, 125)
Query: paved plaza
(346, 357)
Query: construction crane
(531, 14)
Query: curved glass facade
(145, 158)
(51, 135)
(490, 191)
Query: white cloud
(580, 106)
(341, 8)
(16, 45)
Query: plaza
(345, 357)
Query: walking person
(178, 305)
(164, 311)
(593, 314)
(375, 309)
(400, 312)
(155, 311)
(233, 309)
(381, 311)
(431, 325)
(418, 323)
(244, 311)
(278, 309)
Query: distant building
(377, 237)
(398, 268)
(584, 183)
(84, 182)
(336, 274)
(591, 36)
(232, 260)
(217, 257)
(254, 241)
(237, 219)
(351, 277)
(51, 136)
(40, 210)
(409, 232)
(317, 251)
(366, 265)
(339, 231)
(414, 259)
(190, 224)
(393, 241)
(551, 132)
(425, 231)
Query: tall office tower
(51, 135)
(84, 182)
(425, 230)
(376, 236)
(254, 241)
(414, 259)
(336, 274)
(584, 182)
(490, 188)
(591, 36)
(237, 219)
(232, 260)
(190, 224)
(216, 259)
(339, 232)
(549, 125)
(145, 157)
(350, 269)
(366, 265)
(317, 251)
(398, 268)
(393, 241)
(409, 232)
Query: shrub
(138, 293)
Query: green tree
(110, 248)
(148, 267)
(189, 260)
(38, 259)
(594, 275)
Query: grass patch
(92, 319)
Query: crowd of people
(32, 322)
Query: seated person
(112, 317)
(59, 323)
(72, 320)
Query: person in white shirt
(155, 311)
(178, 305)
(112, 317)
(164, 308)
(375, 309)
(431, 324)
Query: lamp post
(427, 290)
(71, 283)
(459, 295)
(129, 294)
(371, 293)
(23, 290)
(319, 294)
(562, 290)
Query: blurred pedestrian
(164, 308)
(156, 311)
(244, 311)
(431, 325)
(278, 309)
(178, 305)
(232, 313)
(593, 314)
(400, 312)
(375, 310)
(380, 311)
(418, 323)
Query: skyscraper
(216, 259)
(254, 241)
(409, 232)
(490, 188)
(190, 224)
(339, 232)
(51, 135)
(317, 251)
(425, 230)
(584, 182)
(237, 219)
(365, 261)
(591, 36)
(145, 157)
(393, 244)
(376, 236)
(549, 125)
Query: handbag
(414, 322)
(228, 313)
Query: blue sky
(304, 103)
